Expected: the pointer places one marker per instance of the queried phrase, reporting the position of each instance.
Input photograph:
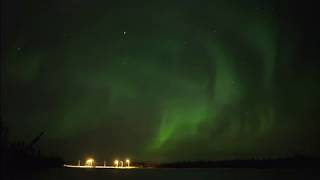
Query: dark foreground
(183, 174)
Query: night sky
(162, 80)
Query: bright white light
(89, 162)
(116, 163)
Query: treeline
(20, 155)
(290, 162)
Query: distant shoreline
(295, 162)
(264, 163)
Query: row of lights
(117, 162)
(90, 162)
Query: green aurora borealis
(189, 80)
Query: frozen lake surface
(183, 174)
